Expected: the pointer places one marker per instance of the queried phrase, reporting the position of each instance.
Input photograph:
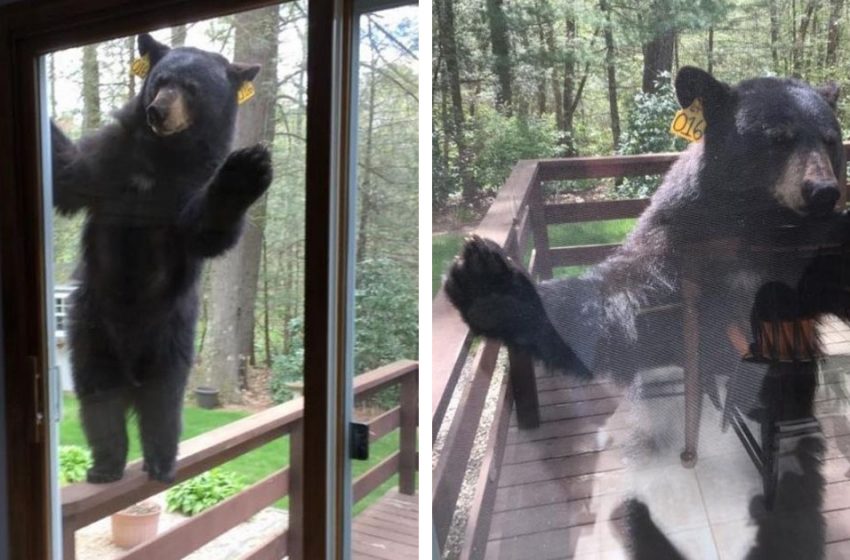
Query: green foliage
(203, 491)
(499, 141)
(74, 461)
(289, 367)
(386, 320)
(648, 131)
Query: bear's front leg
(72, 181)
(215, 217)
(498, 299)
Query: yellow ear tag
(689, 123)
(141, 66)
(245, 92)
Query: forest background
(528, 79)
(250, 333)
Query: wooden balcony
(550, 466)
(83, 504)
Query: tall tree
(611, 74)
(657, 53)
(799, 46)
(447, 43)
(178, 35)
(501, 48)
(834, 32)
(91, 89)
(234, 277)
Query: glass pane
(662, 363)
(178, 236)
(386, 272)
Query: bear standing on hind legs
(161, 192)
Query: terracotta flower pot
(136, 524)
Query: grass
(445, 246)
(252, 466)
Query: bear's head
(770, 143)
(188, 92)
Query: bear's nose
(156, 114)
(821, 196)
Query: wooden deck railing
(83, 504)
(518, 221)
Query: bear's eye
(191, 88)
(781, 134)
(831, 139)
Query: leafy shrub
(288, 368)
(385, 327)
(648, 131)
(499, 142)
(74, 461)
(203, 491)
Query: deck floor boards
(387, 529)
(563, 488)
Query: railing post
(540, 231)
(407, 434)
(69, 541)
(295, 545)
(524, 389)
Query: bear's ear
(830, 93)
(152, 48)
(242, 72)
(693, 83)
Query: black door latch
(359, 441)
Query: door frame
(30, 29)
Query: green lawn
(446, 246)
(252, 466)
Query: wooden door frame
(30, 29)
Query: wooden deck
(564, 487)
(388, 529)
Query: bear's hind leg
(160, 409)
(103, 416)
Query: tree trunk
(448, 51)
(710, 65)
(569, 94)
(365, 191)
(774, 33)
(91, 89)
(611, 71)
(800, 40)
(130, 53)
(657, 55)
(500, 46)
(234, 277)
(178, 35)
(834, 32)
(557, 100)
(542, 62)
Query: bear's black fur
(769, 174)
(161, 192)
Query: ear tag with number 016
(141, 66)
(689, 123)
(245, 92)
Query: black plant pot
(207, 397)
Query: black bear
(162, 192)
(769, 172)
